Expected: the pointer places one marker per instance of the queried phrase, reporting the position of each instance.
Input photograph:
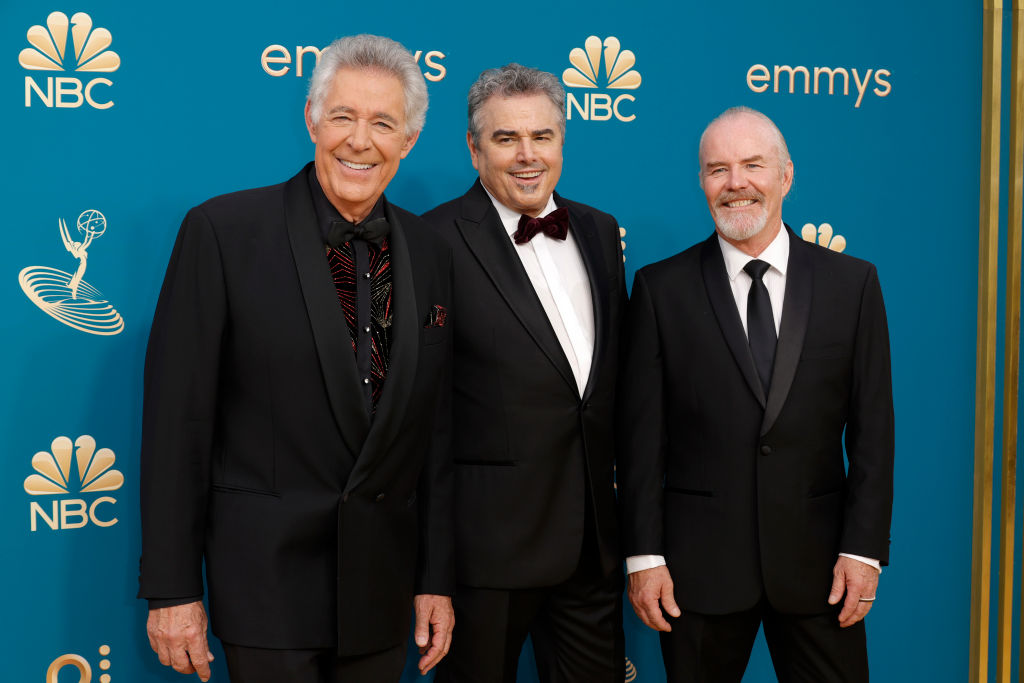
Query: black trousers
(258, 665)
(576, 629)
(804, 648)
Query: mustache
(735, 196)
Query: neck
(755, 244)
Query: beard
(744, 226)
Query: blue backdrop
(142, 111)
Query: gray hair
(513, 80)
(732, 112)
(375, 53)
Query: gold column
(984, 398)
(1011, 355)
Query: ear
(309, 124)
(787, 177)
(410, 140)
(473, 152)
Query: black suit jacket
(747, 494)
(529, 452)
(316, 523)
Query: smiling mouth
(525, 175)
(355, 166)
(739, 203)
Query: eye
(716, 171)
(383, 125)
(754, 167)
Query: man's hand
(435, 620)
(178, 636)
(857, 580)
(650, 591)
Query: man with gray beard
(751, 359)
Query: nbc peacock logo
(66, 296)
(586, 72)
(81, 666)
(72, 468)
(824, 236)
(87, 53)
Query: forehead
(738, 137)
(366, 88)
(519, 112)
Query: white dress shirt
(776, 255)
(556, 270)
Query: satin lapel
(330, 332)
(405, 323)
(716, 282)
(486, 238)
(796, 309)
(589, 243)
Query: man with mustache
(539, 290)
(750, 358)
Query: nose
(359, 138)
(737, 178)
(525, 152)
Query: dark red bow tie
(554, 225)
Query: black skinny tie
(760, 322)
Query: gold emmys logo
(277, 61)
(67, 297)
(80, 663)
(619, 74)
(630, 671)
(49, 52)
(54, 475)
(760, 78)
(822, 236)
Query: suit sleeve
(436, 557)
(179, 410)
(870, 437)
(642, 440)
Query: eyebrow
(505, 133)
(756, 157)
(349, 110)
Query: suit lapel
(485, 236)
(404, 354)
(330, 332)
(716, 282)
(796, 310)
(587, 240)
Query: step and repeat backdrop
(118, 117)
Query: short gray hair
(513, 80)
(374, 53)
(732, 112)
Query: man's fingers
(432, 656)
(200, 659)
(838, 586)
(859, 612)
(421, 634)
(668, 601)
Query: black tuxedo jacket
(529, 452)
(747, 494)
(317, 524)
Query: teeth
(739, 203)
(525, 175)
(358, 167)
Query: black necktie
(555, 224)
(342, 231)
(760, 322)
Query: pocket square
(437, 317)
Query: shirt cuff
(866, 560)
(638, 563)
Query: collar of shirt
(326, 212)
(510, 218)
(776, 255)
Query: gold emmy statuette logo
(87, 54)
(822, 235)
(622, 242)
(585, 72)
(630, 671)
(66, 296)
(54, 476)
(80, 663)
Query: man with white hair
(751, 359)
(296, 414)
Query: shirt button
(366, 329)
(766, 450)
(366, 380)
(366, 276)
(380, 497)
